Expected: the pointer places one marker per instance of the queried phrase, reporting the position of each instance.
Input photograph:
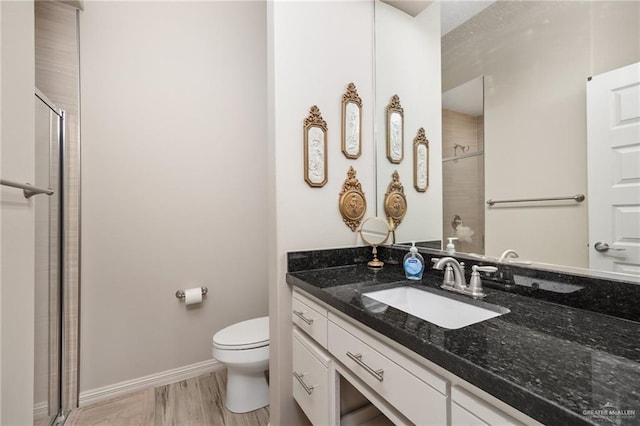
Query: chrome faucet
(506, 254)
(459, 283)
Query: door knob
(603, 247)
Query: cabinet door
(461, 417)
(467, 409)
(312, 380)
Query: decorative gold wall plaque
(421, 161)
(395, 130)
(351, 122)
(315, 148)
(395, 203)
(353, 203)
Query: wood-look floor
(194, 402)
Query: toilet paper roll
(193, 296)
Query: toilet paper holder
(180, 293)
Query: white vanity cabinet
(407, 389)
(416, 392)
(313, 380)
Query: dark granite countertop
(558, 364)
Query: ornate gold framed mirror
(315, 148)
(395, 130)
(351, 123)
(421, 161)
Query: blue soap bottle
(413, 263)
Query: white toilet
(244, 349)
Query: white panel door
(613, 134)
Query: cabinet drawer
(466, 407)
(310, 317)
(311, 380)
(417, 400)
(461, 417)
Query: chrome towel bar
(577, 198)
(29, 190)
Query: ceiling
(453, 13)
(410, 7)
(467, 98)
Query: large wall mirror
(528, 136)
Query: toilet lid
(248, 334)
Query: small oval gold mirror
(374, 231)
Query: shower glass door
(48, 258)
(463, 201)
(463, 166)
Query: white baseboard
(151, 381)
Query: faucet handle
(489, 269)
(475, 284)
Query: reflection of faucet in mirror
(508, 253)
(510, 256)
(374, 231)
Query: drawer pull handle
(306, 387)
(303, 318)
(358, 359)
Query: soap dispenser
(413, 263)
(451, 249)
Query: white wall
(535, 64)
(174, 193)
(17, 214)
(1, 48)
(408, 64)
(315, 50)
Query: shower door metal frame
(58, 359)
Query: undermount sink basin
(438, 309)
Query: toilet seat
(250, 334)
